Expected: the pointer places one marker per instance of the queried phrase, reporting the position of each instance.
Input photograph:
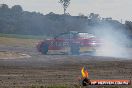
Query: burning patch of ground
(12, 55)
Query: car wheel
(44, 48)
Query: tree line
(16, 21)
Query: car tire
(44, 48)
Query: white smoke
(114, 41)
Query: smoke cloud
(114, 41)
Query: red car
(70, 43)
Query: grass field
(22, 36)
(18, 41)
(55, 71)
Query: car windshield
(86, 35)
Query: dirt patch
(13, 55)
(48, 70)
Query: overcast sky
(117, 9)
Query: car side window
(64, 36)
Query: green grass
(6, 41)
(23, 36)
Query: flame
(84, 73)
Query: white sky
(117, 9)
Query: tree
(17, 8)
(65, 4)
(4, 6)
(94, 17)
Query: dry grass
(18, 42)
(12, 55)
